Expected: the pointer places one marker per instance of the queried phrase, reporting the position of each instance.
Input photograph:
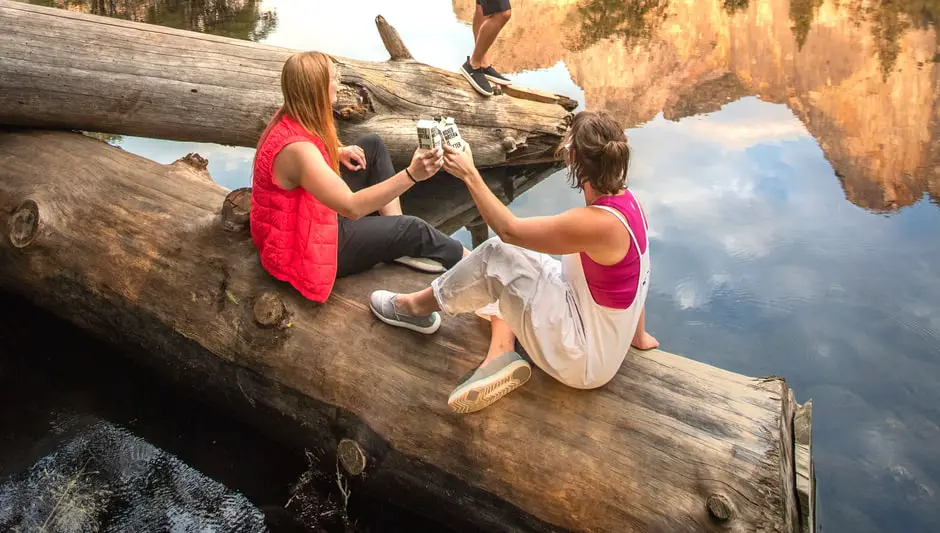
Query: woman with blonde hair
(314, 221)
(576, 318)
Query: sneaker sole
(422, 265)
(498, 81)
(427, 331)
(483, 393)
(473, 84)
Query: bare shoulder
(610, 243)
(300, 151)
(592, 219)
(294, 160)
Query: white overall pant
(549, 307)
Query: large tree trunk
(139, 253)
(67, 70)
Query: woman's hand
(425, 163)
(459, 164)
(353, 157)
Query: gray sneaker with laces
(382, 304)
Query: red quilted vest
(295, 233)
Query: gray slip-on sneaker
(490, 383)
(382, 304)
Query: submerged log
(67, 70)
(136, 253)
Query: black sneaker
(477, 79)
(496, 77)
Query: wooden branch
(135, 252)
(393, 43)
(536, 95)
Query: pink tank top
(615, 286)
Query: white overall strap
(646, 224)
(623, 221)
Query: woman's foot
(644, 341)
(477, 78)
(383, 306)
(490, 382)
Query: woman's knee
(494, 246)
(410, 224)
(502, 17)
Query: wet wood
(135, 252)
(68, 70)
(805, 467)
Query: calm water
(788, 155)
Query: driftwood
(67, 70)
(138, 253)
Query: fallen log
(138, 253)
(66, 70)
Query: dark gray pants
(377, 239)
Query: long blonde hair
(305, 84)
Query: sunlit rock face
(860, 74)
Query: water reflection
(239, 19)
(838, 66)
(761, 267)
(633, 23)
(803, 13)
(733, 6)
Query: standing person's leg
(488, 20)
(378, 169)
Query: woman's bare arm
(576, 230)
(302, 165)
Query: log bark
(136, 253)
(67, 70)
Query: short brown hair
(596, 151)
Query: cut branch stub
(236, 210)
(393, 43)
(269, 310)
(720, 508)
(509, 144)
(352, 457)
(24, 224)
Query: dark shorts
(491, 7)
